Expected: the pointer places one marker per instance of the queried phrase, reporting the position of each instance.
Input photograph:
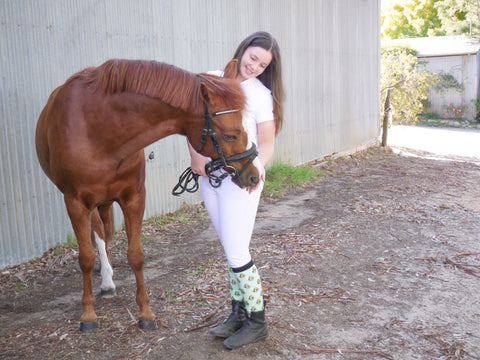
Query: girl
(232, 209)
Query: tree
(408, 83)
(411, 18)
(420, 18)
(459, 16)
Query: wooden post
(386, 118)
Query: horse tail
(110, 227)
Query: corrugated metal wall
(464, 68)
(331, 65)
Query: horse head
(230, 147)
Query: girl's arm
(198, 161)
(266, 145)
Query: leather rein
(222, 163)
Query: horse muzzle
(242, 177)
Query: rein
(218, 164)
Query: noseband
(222, 163)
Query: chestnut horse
(90, 138)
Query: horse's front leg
(80, 218)
(133, 207)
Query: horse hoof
(147, 324)
(108, 293)
(88, 327)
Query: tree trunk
(386, 118)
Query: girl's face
(254, 61)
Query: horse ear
(206, 93)
(230, 71)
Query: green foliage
(457, 15)
(397, 50)
(281, 178)
(401, 72)
(429, 116)
(411, 18)
(477, 108)
(420, 18)
(447, 82)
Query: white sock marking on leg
(106, 268)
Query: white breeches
(232, 211)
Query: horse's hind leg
(133, 206)
(80, 218)
(103, 231)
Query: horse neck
(148, 120)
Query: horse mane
(174, 86)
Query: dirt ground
(378, 260)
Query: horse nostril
(253, 180)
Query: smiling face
(254, 61)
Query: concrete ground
(438, 143)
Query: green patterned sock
(251, 287)
(235, 292)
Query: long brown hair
(272, 75)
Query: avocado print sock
(235, 292)
(250, 286)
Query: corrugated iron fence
(464, 68)
(330, 52)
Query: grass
(439, 121)
(281, 178)
(185, 215)
(146, 238)
(70, 244)
(22, 287)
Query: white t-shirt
(259, 103)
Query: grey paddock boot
(255, 329)
(234, 322)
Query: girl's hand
(266, 144)
(198, 161)
(198, 165)
(256, 187)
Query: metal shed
(331, 65)
(455, 56)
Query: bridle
(222, 163)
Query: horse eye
(229, 137)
